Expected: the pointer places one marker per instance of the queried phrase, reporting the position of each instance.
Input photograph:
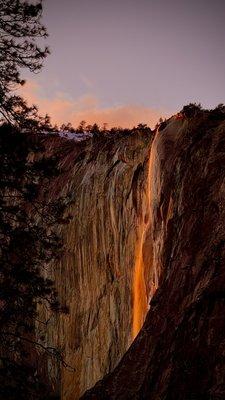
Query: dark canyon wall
(179, 353)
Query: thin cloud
(63, 109)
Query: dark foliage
(29, 219)
(29, 245)
(67, 128)
(20, 27)
(97, 132)
(218, 113)
(191, 110)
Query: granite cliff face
(179, 353)
(97, 277)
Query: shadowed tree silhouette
(29, 219)
(30, 243)
(191, 110)
(20, 27)
(67, 128)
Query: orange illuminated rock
(107, 179)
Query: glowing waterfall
(139, 290)
(140, 298)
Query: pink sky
(128, 61)
(63, 109)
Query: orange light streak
(140, 298)
(140, 305)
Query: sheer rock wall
(107, 179)
(179, 353)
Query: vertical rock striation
(179, 353)
(107, 178)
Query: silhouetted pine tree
(20, 26)
(29, 220)
(29, 223)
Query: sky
(128, 61)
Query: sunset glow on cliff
(140, 297)
(139, 290)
